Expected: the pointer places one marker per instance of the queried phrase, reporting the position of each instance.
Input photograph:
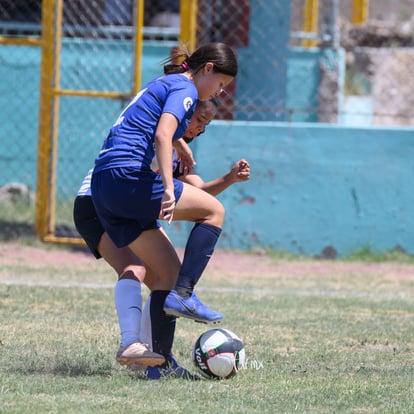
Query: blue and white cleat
(170, 369)
(190, 308)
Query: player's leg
(160, 327)
(208, 214)
(149, 325)
(152, 281)
(146, 330)
(131, 268)
(156, 308)
(165, 265)
(131, 272)
(128, 303)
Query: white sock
(146, 333)
(128, 304)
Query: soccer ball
(218, 353)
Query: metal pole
(330, 29)
(138, 44)
(47, 83)
(334, 29)
(360, 11)
(188, 29)
(310, 21)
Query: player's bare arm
(240, 171)
(163, 150)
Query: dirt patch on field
(223, 262)
(12, 254)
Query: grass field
(320, 337)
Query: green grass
(364, 254)
(337, 343)
(367, 254)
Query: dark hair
(220, 54)
(214, 101)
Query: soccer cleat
(191, 308)
(138, 353)
(170, 369)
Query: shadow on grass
(14, 230)
(65, 368)
(26, 233)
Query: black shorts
(87, 223)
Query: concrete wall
(313, 186)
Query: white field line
(300, 292)
(60, 285)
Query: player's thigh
(153, 280)
(198, 205)
(159, 255)
(121, 259)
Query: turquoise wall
(314, 186)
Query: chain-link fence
(337, 71)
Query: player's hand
(240, 171)
(185, 155)
(167, 206)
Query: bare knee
(133, 273)
(216, 218)
(155, 281)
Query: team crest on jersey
(188, 103)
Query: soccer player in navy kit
(123, 260)
(130, 198)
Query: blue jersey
(130, 142)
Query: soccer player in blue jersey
(124, 262)
(130, 198)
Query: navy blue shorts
(128, 201)
(87, 223)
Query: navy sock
(162, 325)
(199, 248)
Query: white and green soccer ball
(218, 353)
